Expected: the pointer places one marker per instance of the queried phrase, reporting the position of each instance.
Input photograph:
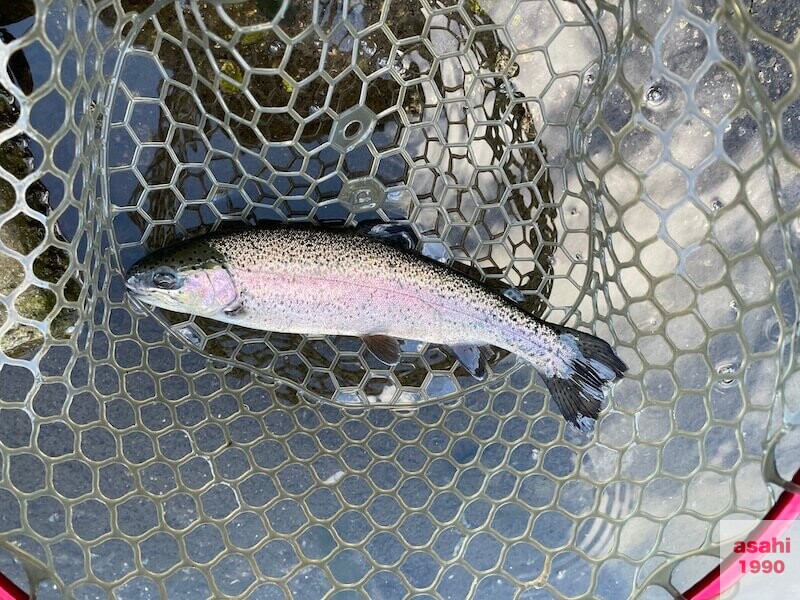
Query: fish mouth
(134, 286)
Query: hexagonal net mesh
(627, 169)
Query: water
(655, 95)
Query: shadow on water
(228, 144)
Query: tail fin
(594, 367)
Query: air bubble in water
(716, 204)
(589, 78)
(773, 332)
(368, 47)
(724, 370)
(655, 95)
(276, 47)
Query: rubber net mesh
(629, 169)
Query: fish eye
(165, 278)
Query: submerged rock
(24, 234)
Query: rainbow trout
(329, 282)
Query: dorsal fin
(395, 234)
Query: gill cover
(190, 278)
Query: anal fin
(474, 358)
(234, 308)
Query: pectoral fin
(385, 348)
(234, 308)
(473, 358)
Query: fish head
(189, 278)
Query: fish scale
(336, 282)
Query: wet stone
(46, 516)
(309, 582)
(219, 501)
(476, 514)
(160, 552)
(15, 428)
(204, 543)
(445, 507)
(179, 511)
(55, 439)
(187, 584)
(349, 566)
(26, 472)
(112, 559)
(385, 510)
(385, 584)
(355, 490)
(116, 480)
(144, 588)
(136, 516)
(523, 562)
(417, 530)
(246, 530)
(195, 473)
(385, 548)
(286, 517)
(420, 569)
(316, 542)
(72, 478)
(323, 504)
(352, 527)
(233, 575)
(456, 582)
